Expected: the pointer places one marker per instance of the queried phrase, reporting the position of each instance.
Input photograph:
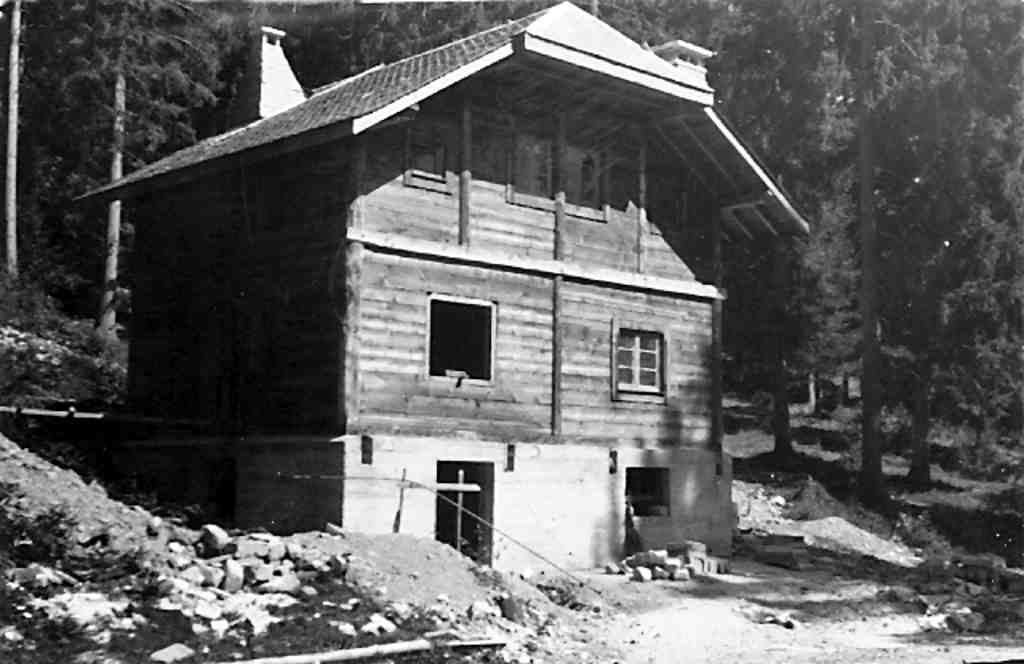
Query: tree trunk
(106, 323)
(11, 190)
(871, 488)
(920, 463)
(812, 393)
(780, 400)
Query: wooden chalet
(493, 264)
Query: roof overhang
(531, 43)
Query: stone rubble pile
(259, 562)
(676, 563)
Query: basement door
(462, 531)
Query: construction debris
(677, 563)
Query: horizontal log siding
(589, 413)
(292, 344)
(232, 312)
(662, 259)
(393, 207)
(181, 357)
(397, 394)
(497, 224)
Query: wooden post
(717, 426)
(641, 211)
(556, 358)
(465, 166)
(11, 191)
(397, 526)
(458, 512)
(560, 165)
(556, 281)
(348, 401)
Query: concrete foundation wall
(560, 500)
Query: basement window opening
(639, 358)
(461, 336)
(647, 491)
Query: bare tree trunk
(812, 392)
(11, 191)
(107, 319)
(780, 401)
(871, 451)
(920, 462)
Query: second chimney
(269, 85)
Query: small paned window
(638, 361)
(647, 491)
(461, 339)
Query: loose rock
(214, 539)
(642, 574)
(172, 653)
(234, 576)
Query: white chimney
(685, 55)
(269, 85)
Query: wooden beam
(683, 157)
(707, 153)
(451, 253)
(735, 222)
(465, 172)
(641, 209)
(744, 200)
(764, 220)
(349, 375)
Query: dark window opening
(460, 339)
(647, 491)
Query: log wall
(399, 396)
(233, 305)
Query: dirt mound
(417, 570)
(840, 535)
(813, 501)
(32, 488)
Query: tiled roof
(344, 100)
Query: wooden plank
(587, 273)
(465, 173)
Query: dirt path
(840, 621)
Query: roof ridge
(528, 18)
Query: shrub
(43, 537)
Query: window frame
(492, 306)
(636, 391)
(444, 183)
